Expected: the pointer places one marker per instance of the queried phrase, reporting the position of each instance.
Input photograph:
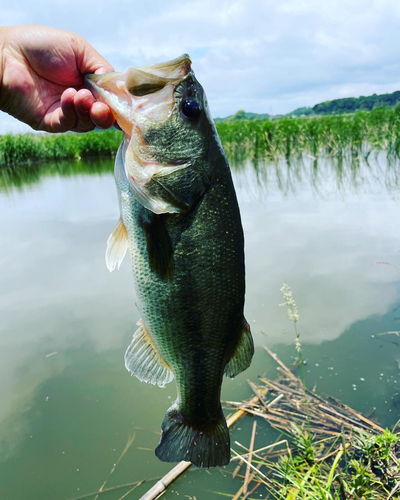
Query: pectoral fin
(144, 361)
(244, 351)
(117, 245)
(159, 245)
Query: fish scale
(183, 230)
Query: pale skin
(41, 79)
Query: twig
(394, 490)
(127, 446)
(257, 392)
(252, 466)
(105, 490)
(251, 492)
(128, 492)
(366, 420)
(247, 475)
(332, 453)
(163, 483)
(285, 368)
(239, 414)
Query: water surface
(329, 228)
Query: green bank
(360, 132)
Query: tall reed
(363, 131)
(26, 148)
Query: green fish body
(181, 223)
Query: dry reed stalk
(282, 365)
(129, 492)
(247, 475)
(127, 446)
(114, 488)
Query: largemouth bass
(181, 223)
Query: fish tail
(205, 445)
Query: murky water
(67, 405)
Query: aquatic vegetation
(290, 303)
(28, 148)
(361, 132)
(335, 135)
(329, 451)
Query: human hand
(41, 79)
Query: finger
(67, 118)
(101, 115)
(61, 116)
(83, 101)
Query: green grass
(368, 469)
(361, 132)
(326, 450)
(28, 148)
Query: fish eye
(191, 108)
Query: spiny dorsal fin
(244, 351)
(144, 361)
(117, 245)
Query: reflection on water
(68, 406)
(20, 176)
(326, 175)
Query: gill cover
(142, 98)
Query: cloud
(258, 56)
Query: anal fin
(144, 361)
(117, 245)
(243, 354)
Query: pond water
(68, 407)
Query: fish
(180, 221)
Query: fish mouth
(176, 68)
(140, 94)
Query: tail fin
(207, 445)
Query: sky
(260, 56)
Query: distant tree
(352, 104)
(302, 112)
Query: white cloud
(247, 54)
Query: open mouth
(140, 94)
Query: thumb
(90, 61)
